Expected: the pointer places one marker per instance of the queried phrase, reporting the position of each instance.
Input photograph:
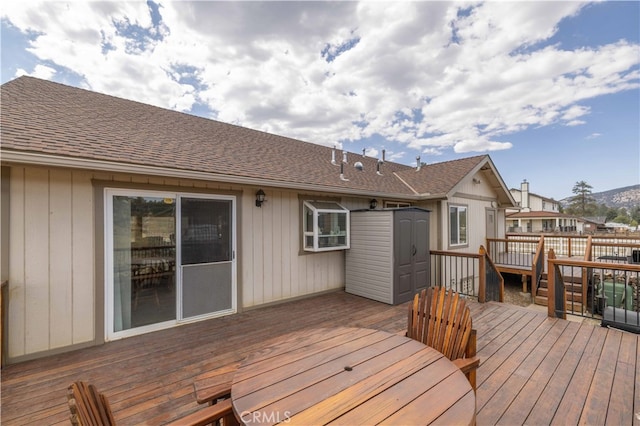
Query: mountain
(628, 197)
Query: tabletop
(350, 376)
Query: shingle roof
(439, 178)
(44, 117)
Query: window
(396, 204)
(457, 225)
(325, 226)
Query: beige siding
(53, 292)
(51, 299)
(274, 268)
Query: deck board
(534, 369)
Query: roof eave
(39, 159)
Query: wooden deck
(535, 370)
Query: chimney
(524, 193)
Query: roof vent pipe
(383, 152)
(344, 157)
(342, 173)
(378, 172)
(333, 156)
(418, 163)
(364, 151)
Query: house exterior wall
(56, 291)
(478, 197)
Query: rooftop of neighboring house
(540, 215)
(542, 197)
(47, 122)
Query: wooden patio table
(351, 376)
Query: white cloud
(428, 75)
(39, 71)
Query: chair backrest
(88, 406)
(440, 318)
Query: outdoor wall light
(373, 203)
(260, 198)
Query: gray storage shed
(389, 258)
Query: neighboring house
(528, 201)
(542, 222)
(120, 218)
(538, 214)
(595, 224)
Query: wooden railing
(493, 287)
(519, 256)
(576, 245)
(470, 274)
(611, 291)
(612, 252)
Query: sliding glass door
(170, 257)
(206, 262)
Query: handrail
(555, 280)
(460, 271)
(487, 263)
(537, 268)
(450, 268)
(556, 296)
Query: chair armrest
(207, 392)
(467, 364)
(209, 414)
(214, 384)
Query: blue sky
(549, 89)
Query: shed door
(411, 254)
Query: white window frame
(319, 234)
(458, 208)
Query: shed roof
(53, 121)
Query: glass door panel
(206, 255)
(144, 259)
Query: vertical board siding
(53, 295)
(16, 320)
(60, 258)
(84, 287)
(36, 281)
(369, 268)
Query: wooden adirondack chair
(91, 408)
(441, 319)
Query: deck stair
(575, 299)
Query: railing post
(551, 283)
(482, 285)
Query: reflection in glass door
(206, 256)
(144, 259)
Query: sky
(549, 89)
